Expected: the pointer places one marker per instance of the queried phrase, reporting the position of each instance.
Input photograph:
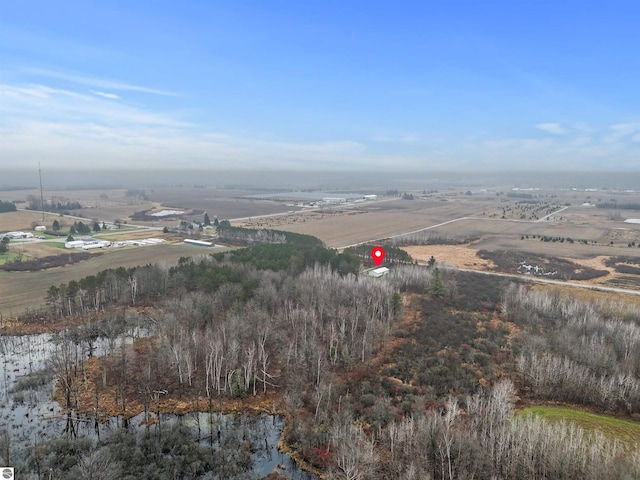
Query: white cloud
(619, 131)
(408, 138)
(87, 128)
(96, 82)
(550, 127)
(111, 96)
(74, 128)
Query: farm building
(333, 200)
(370, 197)
(74, 244)
(200, 243)
(378, 272)
(40, 228)
(94, 245)
(87, 244)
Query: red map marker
(377, 254)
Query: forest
(417, 375)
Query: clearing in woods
(627, 432)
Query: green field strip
(625, 431)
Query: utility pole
(41, 195)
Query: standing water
(29, 417)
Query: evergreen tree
(436, 284)
(4, 245)
(207, 221)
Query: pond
(28, 416)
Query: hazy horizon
(286, 86)
(54, 179)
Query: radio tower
(41, 195)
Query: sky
(324, 85)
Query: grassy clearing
(625, 431)
(137, 234)
(8, 257)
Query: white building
(74, 244)
(378, 272)
(370, 197)
(200, 243)
(333, 200)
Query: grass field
(8, 257)
(625, 431)
(22, 220)
(116, 236)
(21, 290)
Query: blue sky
(341, 85)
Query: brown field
(458, 256)
(24, 221)
(100, 205)
(343, 226)
(223, 202)
(21, 290)
(497, 222)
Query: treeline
(577, 352)
(7, 207)
(51, 261)
(427, 237)
(619, 205)
(519, 195)
(292, 257)
(393, 255)
(249, 236)
(56, 204)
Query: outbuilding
(200, 243)
(378, 272)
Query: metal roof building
(378, 272)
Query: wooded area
(413, 376)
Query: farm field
(21, 290)
(225, 203)
(100, 205)
(23, 221)
(625, 431)
(458, 223)
(343, 226)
